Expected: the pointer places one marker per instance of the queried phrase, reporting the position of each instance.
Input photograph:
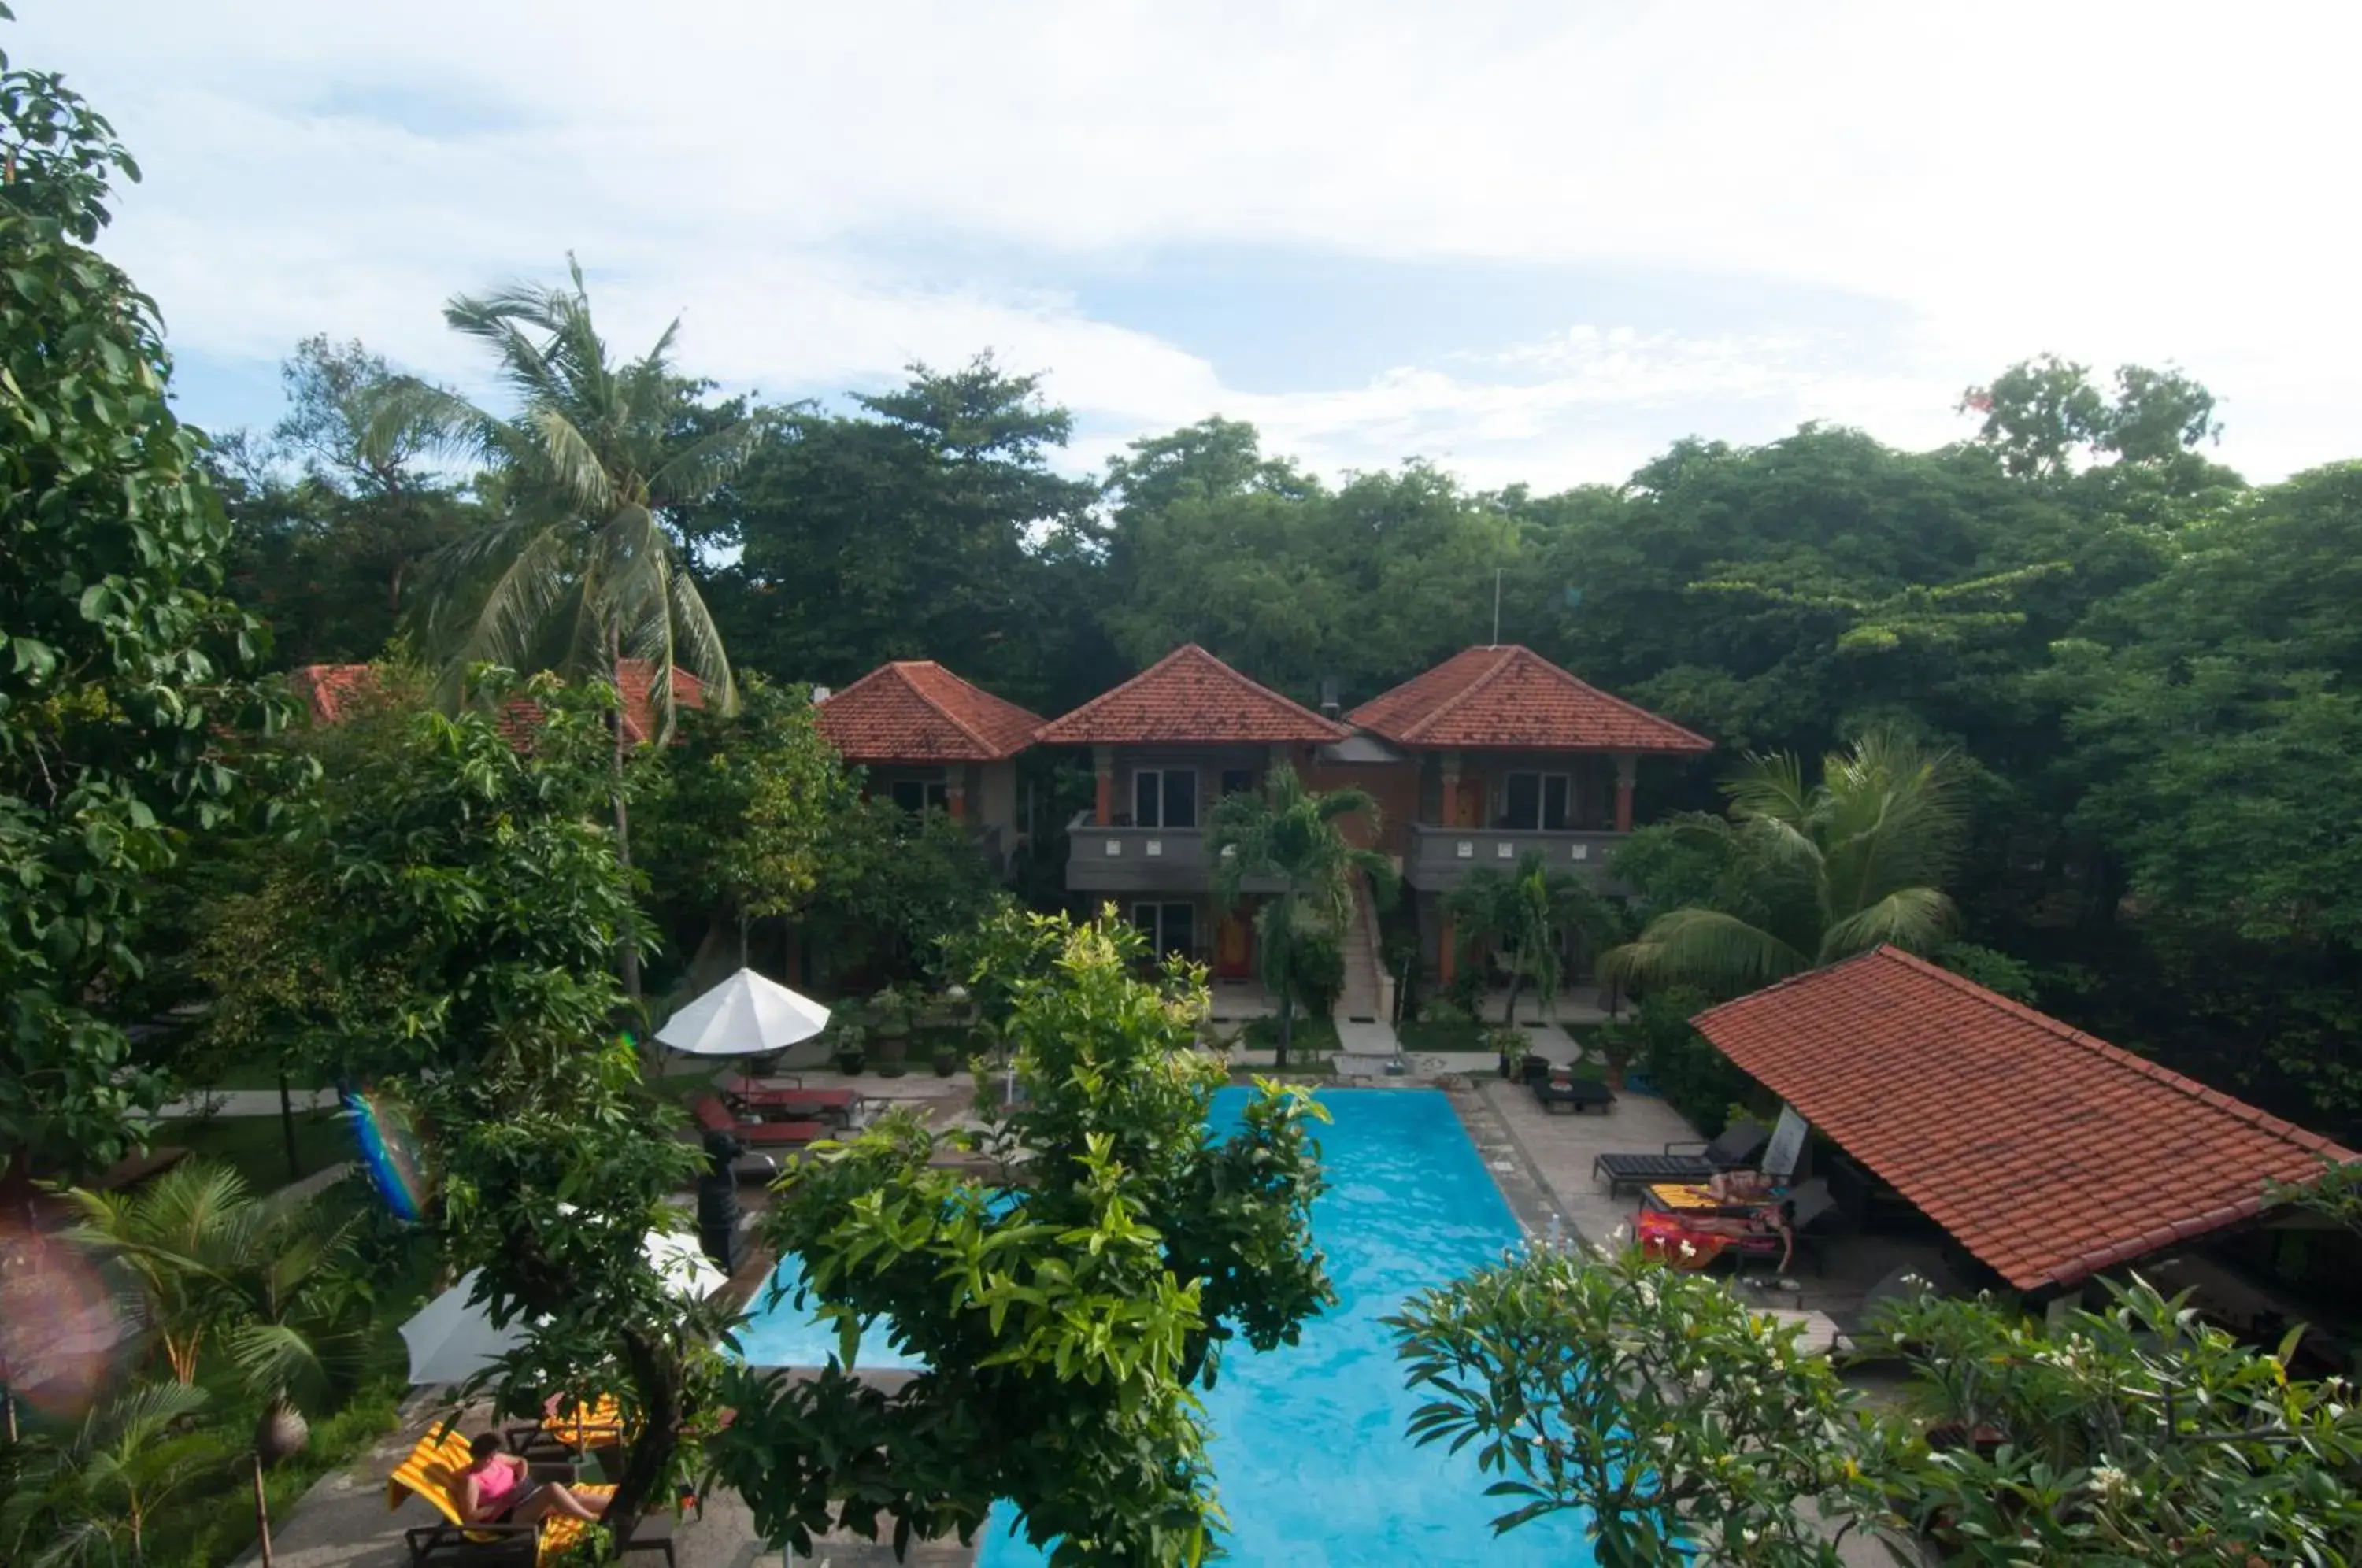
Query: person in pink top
(497, 1488)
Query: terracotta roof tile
(2049, 1154)
(330, 691)
(1511, 698)
(1192, 698)
(916, 710)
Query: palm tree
(1528, 914)
(89, 1499)
(172, 1236)
(1289, 836)
(1807, 876)
(576, 574)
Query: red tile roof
(916, 710)
(2050, 1154)
(332, 692)
(1190, 697)
(1512, 699)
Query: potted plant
(848, 1048)
(890, 1013)
(947, 1058)
(1512, 1047)
(1619, 1043)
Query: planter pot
(1505, 1064)
(945, 1064)
(1615, 1073)
(848, 1062)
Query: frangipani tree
(576, 573)
(1804, 875)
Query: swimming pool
(1308, 1453)
(779, 1335)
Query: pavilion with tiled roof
(1511, 698)
(927, 739)
(2050, 1154)
(915, 710)
(1191, 697)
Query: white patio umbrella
(746, 1015)
(452, 1339)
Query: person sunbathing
(1741, 1186)
(1768, 1220)
(498, 1488)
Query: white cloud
(2116, 181)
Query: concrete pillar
(1451, 789)
(1103, 765)
(956, 793)
(1627, 772)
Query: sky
(1527, 242)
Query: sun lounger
(1578, 1095)
(432, 1473)
(816, 1104)
(1741, 1142)
(1811, 1209)
(715, 1117)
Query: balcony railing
(1139, 859)
(1440, 858)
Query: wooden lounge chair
(1578, 1095)
(714, 1116)
(432, 1473)
(1741, 1142)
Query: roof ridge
(2263, 1120)
(1507, 652)
(1071, 716)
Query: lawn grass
(1310, 1037)
(1433, 1035)
(257, 1145)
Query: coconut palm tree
(1289, 836)
(576, 574)
(1807, 875)
(172, 1236)
(1528, 914)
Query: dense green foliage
(117, 655)
(1529, 914)
(1292, 841)
(1091, 1294)
(1686, 1422)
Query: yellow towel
(600, 1426)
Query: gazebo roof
(2049, 1154)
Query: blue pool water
(779, 1335)
(1308, 1453)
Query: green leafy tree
(117, 706)
(332, 525)
(892, 888)
(736, 819)
(1126, 1249)
(1682, 1424)
(87, 1500)
(577, 573)
(2040, 413)
(1530, 914)
(1807, 875)
(926, 523)
(1291, 836)
(467, 889)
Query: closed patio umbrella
(746, 1015)
(452, 1339)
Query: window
(1170, 928)
(916, 795)
(1238, 781)
(1165, 797)
(1544, 800)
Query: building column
(1626, 771)
(956, 793)
(1452, 788)
(1103, 765)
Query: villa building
(331, 693)
(1492, 754)
(927, 738)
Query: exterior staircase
(1369, 991)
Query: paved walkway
(245, 1102)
